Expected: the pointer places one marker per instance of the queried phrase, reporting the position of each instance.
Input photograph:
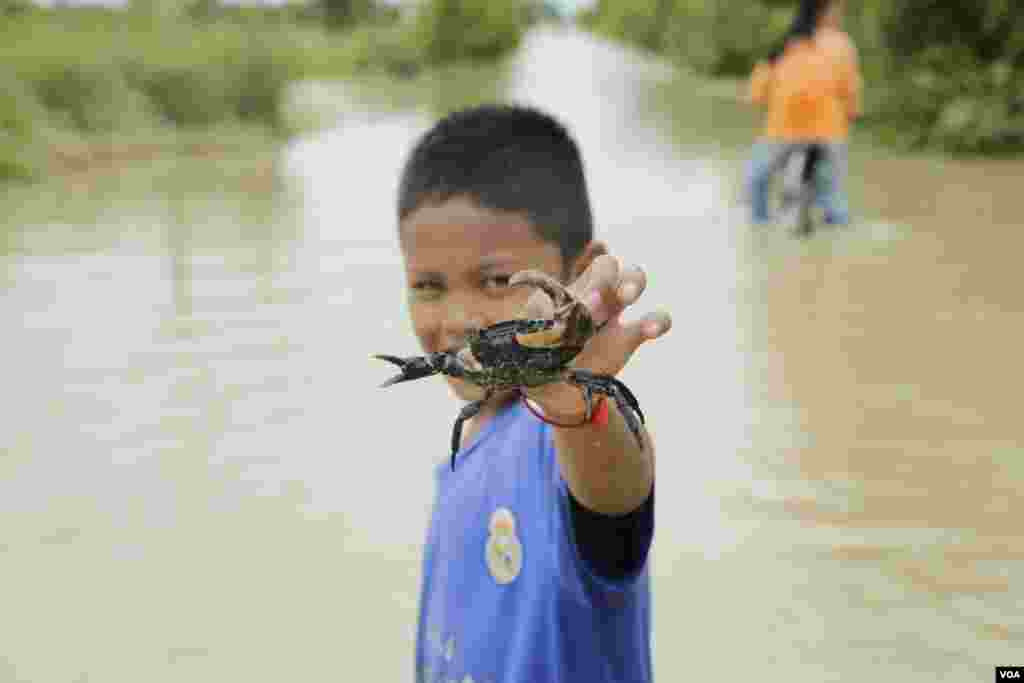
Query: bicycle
(799, 192)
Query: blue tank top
(506, 596)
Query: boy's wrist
(560, 402)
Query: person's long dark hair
(805, 23)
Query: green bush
(953, 103)
(12, 8)
(245, 87)
(256, 88)
(987, 30)
(91, 98)
(938, 74)
(735, 35)
(101, 72)
(22, 120)
(635, 22)
(392, 50)
(450, 31)
(951, 75)
(340, 14)
(181, 95)
(722, 38)
(82, 72)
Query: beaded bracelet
(598, 416)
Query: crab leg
(624, 399)
(468, 411)
(559, 294)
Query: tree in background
(346, 13)
(456, 30)
(939, 73)
(957, 70)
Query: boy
(535, 560)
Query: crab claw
(556, 291)
(416, 367)
(574, 323)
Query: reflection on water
(199, 480)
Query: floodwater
(199, 480)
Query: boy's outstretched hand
(607, 287)
(604, 468)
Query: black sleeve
(613, 547)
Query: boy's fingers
(620, 341)
(602, 274)
(624, 290)
(632, 282)
(597, 286)
(647, 328)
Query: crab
(514, 355)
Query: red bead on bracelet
(599, 418)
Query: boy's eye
(496, 283)
(427, 289)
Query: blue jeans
(768, 158)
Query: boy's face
(458, 260)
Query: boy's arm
(758, 86)
(855, 89)
(603, 465)
(854, 83)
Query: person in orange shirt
(811, 88)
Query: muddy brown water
(199, 480)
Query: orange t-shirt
(812, 91)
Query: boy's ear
(590, 252)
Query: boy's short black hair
(505, 158)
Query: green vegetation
(449, 30)
(938, 74)
(73, 74)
